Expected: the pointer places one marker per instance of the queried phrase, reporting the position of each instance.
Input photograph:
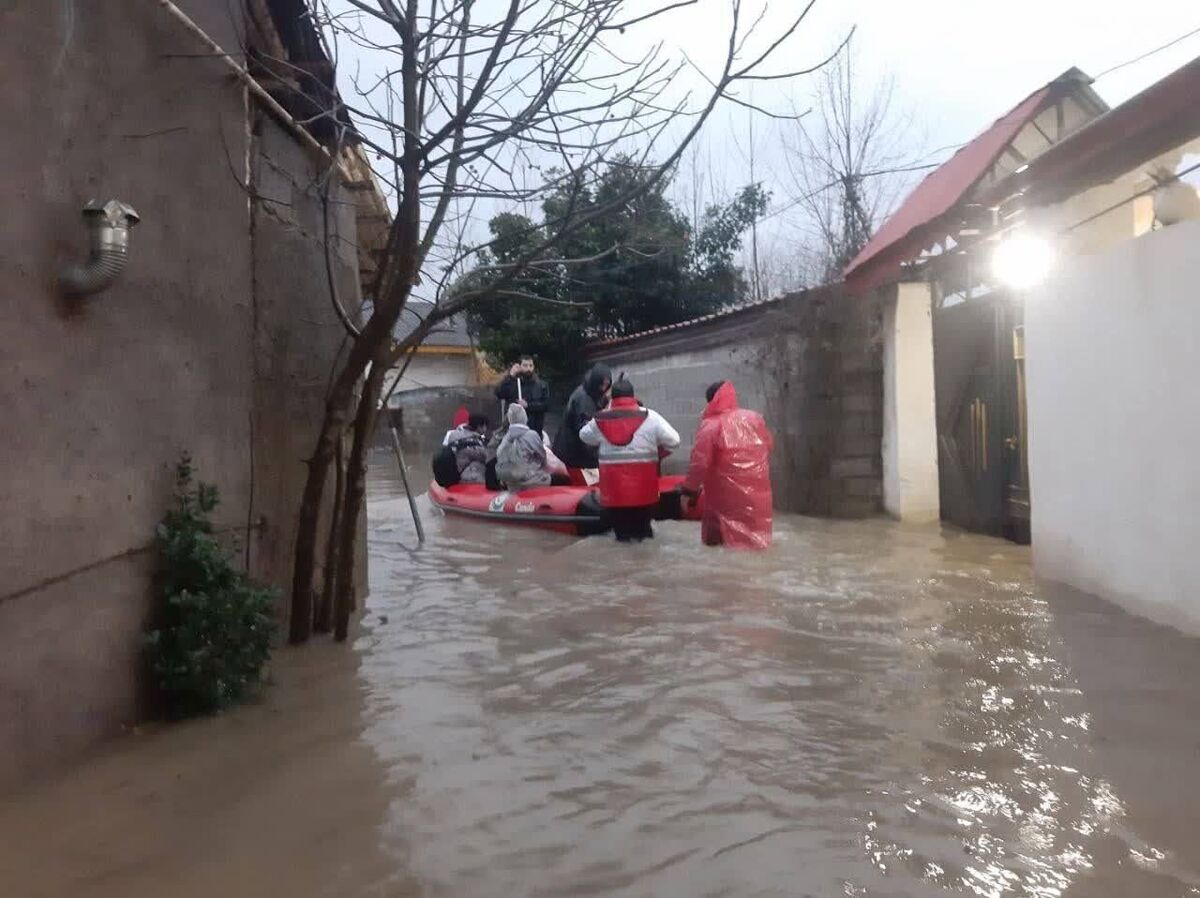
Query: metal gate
(979, 378)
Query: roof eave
(876, 265)
(1161, 117)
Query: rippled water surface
(867, 709)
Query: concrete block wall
(674, 386)
(810, 362)
(424, 416)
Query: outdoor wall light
(1022, 260)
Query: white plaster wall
(430, 370)
(910, 472)
(1113, 358)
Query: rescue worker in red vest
(632, 440)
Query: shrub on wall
(212, 635)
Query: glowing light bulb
(1022, 260)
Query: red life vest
(628, 474)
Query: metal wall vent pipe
(108, 227)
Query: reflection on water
(865, 710)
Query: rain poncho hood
(724, 400)
(731, 464)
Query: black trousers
(632, 524)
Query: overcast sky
(959, 64)
(956, 65)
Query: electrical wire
(1177, 176)
(797, 201)
(1147, 54)
(791, 204)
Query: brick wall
(811, 362)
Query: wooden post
(412, 503)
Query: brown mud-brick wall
(218, 339)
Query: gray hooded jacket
(521, 458)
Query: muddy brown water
(867, 709)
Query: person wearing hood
(588, 398)
(631, 441)
(521, 460)
(731, 463)
(460, 420)
(467, 447)
(522, 386)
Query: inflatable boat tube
(565, 509)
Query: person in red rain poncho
(731, 464)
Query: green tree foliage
(643, 267)
(720, 237)
(214, 627)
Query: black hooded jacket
(587, 399)
(533, 391)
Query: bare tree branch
(465, 103)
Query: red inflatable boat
(565, 509)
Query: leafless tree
(849, 163)
(466, 98)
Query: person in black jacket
(522, 386)
(589, 397)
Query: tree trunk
(356, 481)
(324, 619)
(337, 411)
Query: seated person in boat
(521, 459)
(461, 417)
(464, 455)
(632, 439)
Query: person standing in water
(631, 440)
(589, 397)
(731, 463)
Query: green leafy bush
(212, 635)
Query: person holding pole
(523, 387)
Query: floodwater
(867, 709)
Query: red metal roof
(912, 227)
